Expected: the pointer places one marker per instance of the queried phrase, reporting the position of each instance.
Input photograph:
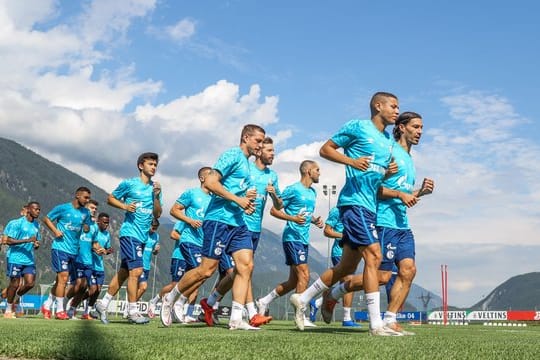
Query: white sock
(318, 302)
(338, 291)
(86, 307)
(251, 309)
(269, 298)
(214, 296)
(106, 300)
(347, 314)
(49, 302)
(374, 310)
(216, 305)
(9, 308)
(389, 317)
(172, 296)
(236, 312)
(133, 308)
(59, 304)
(313, 291)
(155, 299)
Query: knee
(384, 277)
(408, 272)
(206, 270)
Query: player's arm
(331, 233)
(317, 221)
(280, 214)
(175, 235)
(114, 202)
(12, 241)
(50, 225)
(427, 188)
(178, 211)
(213, 183)
(329, 151)
(157, 200)
(408, 199)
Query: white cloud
(182, 30)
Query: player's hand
(58, 234)
(408, 199)
(251, 194)
(36, 244)
(392, 168)
(318, 222)
(157, 189)
(195, 223)
(300, 219)
(131, 207)
(361, 163)
(247, 204)
(270, 188)
(156, 249)
(427, 187)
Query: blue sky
(91, 84)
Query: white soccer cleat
(384, 331)
(308, 323)
(178, 314)
(299, 309)
(151, 310)
(189, 319)
(241, 325)
(397, 328)
(102, 312)
(166, 313)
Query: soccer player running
(22, 236)
(83, 263)
(71, 220)
(102, 246)
(397, 241)
(224, 228)
(334, 229)
(298, 206)
(140, 197)
(265, 181)
(190, 208)
(367, 155)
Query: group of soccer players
(219, 227)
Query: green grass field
(52, 339)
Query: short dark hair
(202, 170)
(268, 140)
(305, 166)
(103, 215)
(83, 189)
(250, 129)
(379, 96)
(31, 203)
(147, 156)
(404, 119)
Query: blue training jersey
(335, 223)
(69, 220)
(22, 229)
(85, 245)
(137, 224)
(176, 253)
(103, 237)
(149, 247)
(234, 168)
(360, 138)
(297, 199)
(260, 179)
(392, 213)
(195, 201)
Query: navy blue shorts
(225, 263)
(396, 245)
(63, 261)
(192, 255)
(255, 236)
(84, 271)
(98, 277)
(296, 253)
(18, 270)
(178, 269)
(144, 276)
(358, 226)
(222, 238)
(131, 252)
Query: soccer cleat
(138, 319)
(46, 313)
(189, 319)
(94, 314)
(350, 323)
(396, 327)
(178, 314)
(166, 313)
(125, 314)
(258, 320)
(241, 325)
(384, 331)
(327, 307)
(299, 309)
(102, 312)
(208, 311)
(215, 317)
(151, 310)
(313, 310)
(61, 315)
(10, 315)
(308, 323)
(71, 312)
(262, 307)
(86, 317)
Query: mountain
(521, 292)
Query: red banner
(523, 315)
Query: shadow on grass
(89, 340)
